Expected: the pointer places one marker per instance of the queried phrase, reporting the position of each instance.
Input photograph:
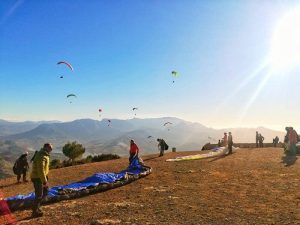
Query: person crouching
(134, 151)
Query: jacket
(40, 166)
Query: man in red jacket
(134, 151)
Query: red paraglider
(66, 63)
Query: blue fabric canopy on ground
(99, 178)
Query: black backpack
(166, 146)
(15, 168)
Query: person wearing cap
(21, 167)
(134, 151)
(225, 140)
(39, 177)
(230, 143)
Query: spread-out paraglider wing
(167, 123)
(150, 136)
(67, 64)
(71, 95)
(135, 108)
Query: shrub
(73, 150)
(55, 163)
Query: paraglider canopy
(134, 108)
(167, 123)
(66, 63)
(71, 95)
(174, 74)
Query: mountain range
(113, 137)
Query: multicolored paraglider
(66, 63)
(174, 74)
(71, 96)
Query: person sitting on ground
(134, 151)
(162, 146)
(21, 167)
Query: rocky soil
(251, 186)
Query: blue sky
(123, 53)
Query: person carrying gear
(162, 146)
(39, 177)
(21, 167)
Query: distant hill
(9, 128)
(98, 137)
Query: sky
(237, 60)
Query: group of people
(134, 149)
(40, 169)
(227, 141)
(259, 140)
(39, 174)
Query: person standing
(261, 140)
(257, 139)
(276, 141)
(230, 143)
(293, 138)
(134, 151)
(162, 146)
(39, 177)
(21, 167)
(225, 140)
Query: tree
(73, 150)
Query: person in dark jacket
(161, 146)
(21, 167)
(230, 143)
(39, 177)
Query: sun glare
(285, 47)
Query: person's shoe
(37, 213)
(25, 181)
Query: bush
(105, 157)
(55, 163)
(73, 150)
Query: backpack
(166, 146)
(15, 168)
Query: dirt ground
(251, 186)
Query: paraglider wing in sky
(71, 95)
(67, 64)
(135, 108)
(174, 74)
(167, 123)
